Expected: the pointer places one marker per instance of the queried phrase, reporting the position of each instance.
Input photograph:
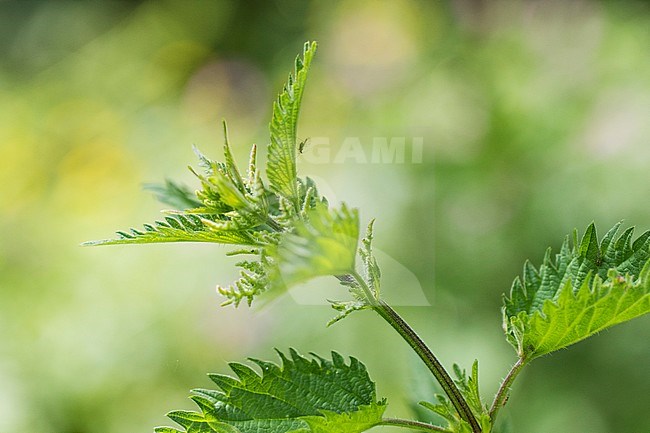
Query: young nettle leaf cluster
(289, 234)
(284, 224)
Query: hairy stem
(502, 394)
(414, 425)
(430, 360)
(274, 225)
(423, 351)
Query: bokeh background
(534, 118)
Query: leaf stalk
(414, 425)
(502, 394)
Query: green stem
(415, 425)
(274, 225)
(502, 394)
(430, 360)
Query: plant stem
(415, 425)
(430, 360)
(274, 225)
(502, 394)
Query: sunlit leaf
(589, 287)
(281, 166)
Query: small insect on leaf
(302, 144)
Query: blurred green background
(534, 118)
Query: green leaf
(576, 315)
(224, 189)
(444, 409)
(345, 308)
(181, 228)
(589, 287)
(325, 244)
(166, 430)
(300, 396)
(230, 167)
(229, 210)
(172, 194)
(469, 387)
(281, 165)
(361, 420)
(309, 196)
(254, 280)
(371, 268)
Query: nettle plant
(289, 234)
